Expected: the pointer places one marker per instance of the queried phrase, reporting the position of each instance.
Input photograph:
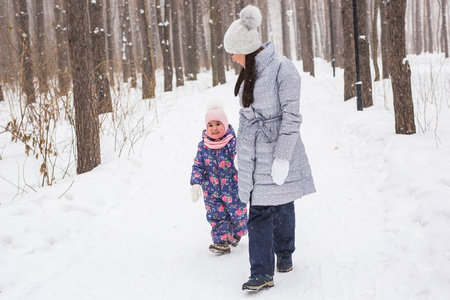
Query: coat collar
(264, 57)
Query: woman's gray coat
(269, 129)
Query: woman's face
(239, 58)
(215, 129)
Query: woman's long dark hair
(248, 76)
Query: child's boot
(221, 248)
(236, 240)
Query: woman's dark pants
(271, 230)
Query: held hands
(196, 192)
(280, 170)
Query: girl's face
(215, 129)
(239, 58)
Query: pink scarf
(217, 144)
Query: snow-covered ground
(377, 228)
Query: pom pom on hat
(242, 37)
(215, 111)
(251, 17)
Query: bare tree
(212, 26)
(26, 77)
(220, 53)
(444, 27)
(164, 38)
(110, 18)
(189, 30)
(418, 41)
(179, 74)
(364, 54)
(128, 67)
(305, 28)
(99, 57)
(384, 39)
(349, 50)
(400, 69)
(41, 68)
(376, 6)
(264, 24)
(429, 32)
(285, 31)
(62, 49)
(84, 94)
(148, 70)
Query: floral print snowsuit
(214, 170)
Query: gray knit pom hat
(242, 37)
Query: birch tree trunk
(84, 94)
(399, 69)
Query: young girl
(214, 172)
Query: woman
(273, 166)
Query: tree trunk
(164, 37)
(62, 49)
(285, 31)
(418, 45)
(99, 57)
(375, 40)
(203, 49)
(129, 70)
(444, 27)
(264, 23)
(305, 28)
(196, 14)
(349, 50)
(148, 71)
(338, 34)
(212, 26)
(179, 73)
(188, 33)
(84, 94)
(219, 47)
(428, 25)
(26, 78)
(110, 17)
(364, 54)
(399, 69)
(384, 39)
(41, 68)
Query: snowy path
(128, 229)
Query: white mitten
(280, 170)
(196, 192)
(236, 163)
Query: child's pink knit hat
(215, 112)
